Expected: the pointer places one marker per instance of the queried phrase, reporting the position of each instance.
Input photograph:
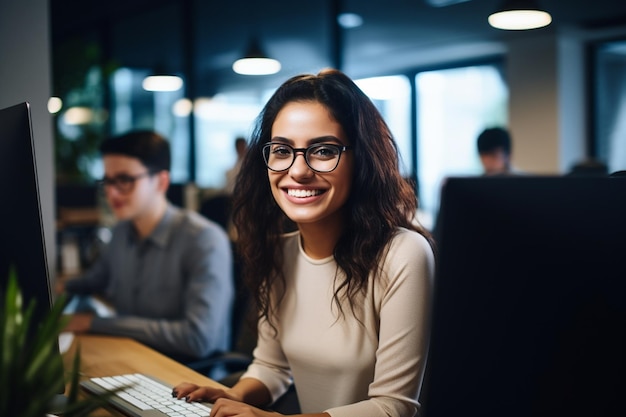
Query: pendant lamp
(256, 62)
(161, 80)
(519, 15)
(162, 83)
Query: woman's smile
(302, 193)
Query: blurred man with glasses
(166, 271)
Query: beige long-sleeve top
(339, 365)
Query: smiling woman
(343, 301)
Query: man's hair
(152, 149)
(492, 139)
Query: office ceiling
(204, 37)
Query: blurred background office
(437, 70)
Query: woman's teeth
(303, 193)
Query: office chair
(217, 208)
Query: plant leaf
(30, 364)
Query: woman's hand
(235, 401)
(225, 402)
(192, 392)
(225, 408)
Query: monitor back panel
(530, 299)
(22, 243)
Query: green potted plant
(30, 364)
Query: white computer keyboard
(145, 396)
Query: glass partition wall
(453, 106)
(609, 112)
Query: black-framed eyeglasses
(320, 157)
(123, 183)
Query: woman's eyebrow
(281, 139)
(320, 139)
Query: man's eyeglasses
(321, 157)
(123, 183)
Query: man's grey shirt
(172, 291)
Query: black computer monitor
(529, 311)
(22, 232)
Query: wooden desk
(107, 356)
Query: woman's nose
(299, 168)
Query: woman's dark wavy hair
(380, 201)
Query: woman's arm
(251, 391)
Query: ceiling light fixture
(519, 15)
(55, 104)
(349, 20)
(162, 82)
(256, 62)
(78, 115)
(443, 3)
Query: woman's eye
(281, 151)
(324, 152)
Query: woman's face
(307, 196)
